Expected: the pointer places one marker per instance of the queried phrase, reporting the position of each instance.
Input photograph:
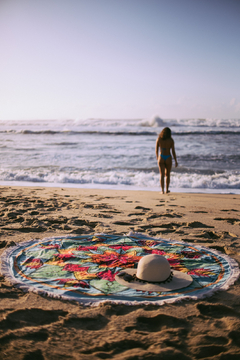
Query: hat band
(129, 278)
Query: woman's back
(165, 146)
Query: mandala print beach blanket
(83, 268)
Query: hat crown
(153, 268)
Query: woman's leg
(162, 170)
(168, 167)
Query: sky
(119, 59)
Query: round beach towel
(83, 268)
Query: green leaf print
(35, 254)
(195, 264)
(107, 287)
(123, 241)
(139, 250)
(69, 244)
(50, 272)
(102, 249)
(94, 269)
(47, 254)
(43, 254)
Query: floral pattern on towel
(79, 267)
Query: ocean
(120, 154)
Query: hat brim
(179, 280)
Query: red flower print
(64, 281)
(73, 283)
(75, 267)
(56, 246)
(191, 254)
(33, 263)
(201, 272)
(82, 284)
(141, 243)
(147, 243)
(80, 272)
(106, 275)
(114, 259)
(174, 262)
(123, 247)
(156, 251)
(87, 248)
(63, 256)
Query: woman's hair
(165, 134)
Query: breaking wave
(148, 180)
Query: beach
(120, 154)
(34, 326)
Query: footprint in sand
(209, 340)
(109, 349)
(158, 323)
(216, 311)
(103, 198)
(189, 240)
(209, 235)
(137, 214)
(33, 212)
(198, 224)
(171, 227)
(59, 220)
(234, 335)
(97, 322)
(97, 207)
(123, 223)
(26, 229)
(169, 215)
(30, 317)
(11, 215)
(136, 220)
(214, 235)
(79, 222)
(101, 215)
(102, 206)
(199, 212)
(222, 249)
(141, 208)
(209, 351)
(112, 211)
(231, 221)
(41, 335)
(3, 244)
(36, 355)
(81, 231)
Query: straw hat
(153, 273)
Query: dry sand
(35, 327)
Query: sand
(37, 327)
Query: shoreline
(116, 187)
(35, 326)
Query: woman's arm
(157, 147)
(174, 154)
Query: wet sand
(37, 327)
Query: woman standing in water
(165, 143)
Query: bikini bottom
(164, 157)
